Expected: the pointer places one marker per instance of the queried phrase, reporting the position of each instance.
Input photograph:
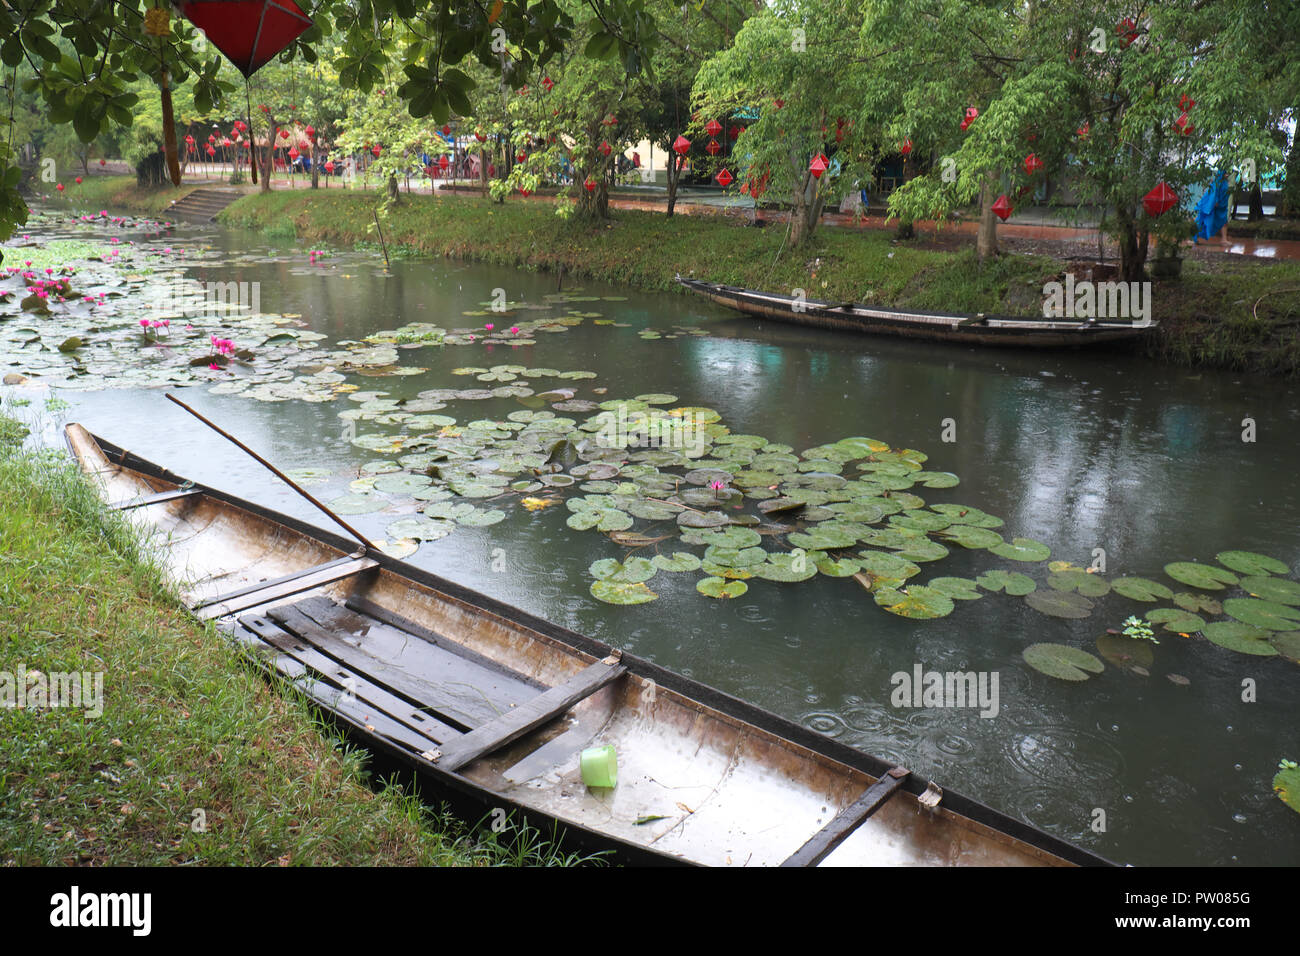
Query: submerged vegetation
(195, 758)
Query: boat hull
(731, 783)
(931, 326)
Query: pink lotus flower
(514, 330)
(215, 367)
(144, 323)
(489, 326)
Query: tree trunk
(392, 187)
(482, 171)
(806, 212)
(1256, 203)
(1132, 246)
(986, 238)
(673, 175)
(152, 170)
(315, 166)
(1290, 204)
(905, 229)
(268, 153)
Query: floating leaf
(401, 484)
(357, 505)
(721, 588)
(1243, 638)
(964, 514)
(786, 568)
(970, 537)
(1203, 576)
(421, 528)
(923, 549)
(1248, 562)
(1089, 585)
(1286, 784)
(1269, 615)
(917, 602)
(959, 589)
(631, 571)
(1022, 549)
(842, 568)
(1013, 582)
(1062, 661)
(678, 561)
(481, 518)
(936, 479)
(1126, 652)
(620, 592)
(1197, 602)
(400, 549)
(1059, 603)
(1176, 620)
(1141, 589)
(1178, 679)
(1287, 643)
(1280, 590)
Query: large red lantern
(1184, 125)
(1185, 102)
(480, 137)
(548, 84)
(1032, 164)
(681, 145)
(212, 138)
(293, 153)
(1002, 207)
(376, 150)
(310, 132)
(724, 178)
(329, 167)
(605, 148)
(284, 134)
(590, 184)
(248, 32)
(189, 139)
(818, 165)
(971, 115)
(225, 141)
(1126, 29)
(610, 120)
(735, 131)
(906, 148)
(1085, 130)
(713, 128)
(713, 148)
(211, 150)
(1160, 200)
(443, 161)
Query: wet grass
(196, 758)
(1213, 317)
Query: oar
(365, 542)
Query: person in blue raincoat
(1212, 210)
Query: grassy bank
(1241, 314)
(122, 193)
(186, 726)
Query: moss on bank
(1223, 313)
(186, 726)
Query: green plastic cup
(600, 766)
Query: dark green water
(1078, 450)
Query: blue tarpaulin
(1212, 210)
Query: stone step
(203, 204)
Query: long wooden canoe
(494, 705)
(976, 329)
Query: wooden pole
(365, 542)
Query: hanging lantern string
(252, 137)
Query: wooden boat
(978, 329)
(493, 705)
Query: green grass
(1208, 319)
(187, 723)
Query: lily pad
(841, 568)
(1286, 784)
(1197, 603)
(721, 588)
(1141, 589)
(1126, 652)
(631, 571)
(1013, 582)
(786, 568)
(964, 514)
(1176, 620)
(358, 505)
(678, 561)
(1269, 615)
(1280, 590)
(923, 549)
(1207, 577)
(1089, 585)
(1243, 638)
(1022, 549)
(620, 592)
(959, 589)
(1248, 562)
(1062, 661)
(401, 484)
(421, 528)
(918, 602)
(1287, 643)
(1059, 603)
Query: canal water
(1085, 452)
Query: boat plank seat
(849, 819)
(335, 699)
(157, 499)
(542, 709)
(461, 692)
(282, 587)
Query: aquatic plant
(1137, 628)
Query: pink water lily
(489, 326)
(514, 330)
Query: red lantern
(590, 184)
(971, 115)
(78, 180)
(1002, 208)
(376, 150)
(713, 148)
(1127, 29)
(521, 157)
(103, 162)
(311, 133)
(681, 145)
(818, 165)
(1085, 130)
(59, 187)
(525, 193)
(605, 148)
(246, 144)
(1160, 200)
(284, 134)
(189, 139)
(1184, 125)
(724, 178)
(906, 148)
(780, 103)
(523, 90)
(1032, 164)
(446, 129)
(1185, 102)
(329, 167)
(610, 120)
(735, 131)
(225, 141)
(480, 137)
(293, 153)
(211, 151)
(211, 138)
(248, 32)
(713, 128)
(443, 161)
(548, 84)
